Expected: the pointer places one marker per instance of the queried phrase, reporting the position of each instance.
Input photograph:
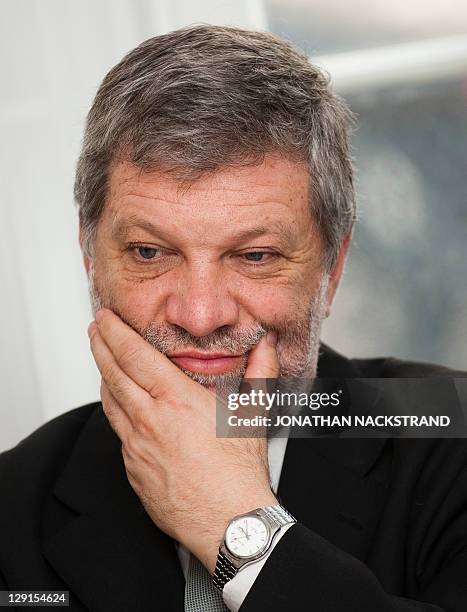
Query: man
(216, 206)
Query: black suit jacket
(382, 523)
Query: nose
(201, 302)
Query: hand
(190, 482)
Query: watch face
(247, 536)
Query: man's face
(202, 273)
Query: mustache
(169, 339)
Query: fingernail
(99, 315)
(271, 338)
(91, 328)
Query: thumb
(263, 361)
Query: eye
(257, 256)
(147, 252)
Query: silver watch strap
(225, 570)
(279, 514)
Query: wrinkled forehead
(273, 194)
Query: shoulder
(424, 454)
(391, 367)
(332, 363)
(36, 460)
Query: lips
(206, 363)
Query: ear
(86, 259)
(336, 272)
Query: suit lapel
(337, 486)
(98, 537)
(324, 484)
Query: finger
(149, 368)
(115, 414)
(262, 368)
(263, 361)
(125, 391)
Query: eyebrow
(278, 228)
(121, 230)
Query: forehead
(275, 191)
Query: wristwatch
(248, 538)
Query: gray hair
(206, 97)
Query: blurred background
(402, 66)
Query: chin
(218, 383)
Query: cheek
(134, 301)
(275, 304)
(146, 301)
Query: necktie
(200, 594)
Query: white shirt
(237, 589)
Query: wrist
(205, 543)
(249, 539)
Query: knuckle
(141, 422)
(129, 356)
(153, 390)
(108, 373)
(112, 417)
(270, 371)
(158, 388)
(131, 449)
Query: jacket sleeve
(306, 572)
